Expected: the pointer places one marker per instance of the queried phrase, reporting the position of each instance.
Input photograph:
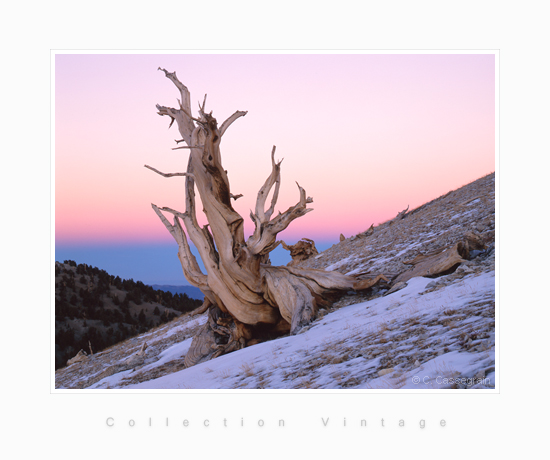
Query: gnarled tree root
(220, 335)
(296, 293)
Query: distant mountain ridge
(191, 291)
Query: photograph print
(248, 221)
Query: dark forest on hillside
(96, 310)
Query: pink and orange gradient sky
(364, 134)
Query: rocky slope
(434, 225)
(432, 331)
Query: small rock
(135, 360)
(475, 253)
(389, 370)
(464, 269)
(417, 363)
(396, 287)
(80, 356)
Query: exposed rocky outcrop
(431, 240)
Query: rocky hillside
(429, 324)
(432, 226)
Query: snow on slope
(166, 348)
(433, 334)
(373, 345)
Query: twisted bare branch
(273, 179)
(267, 233)
(168, 174)
(191, 269)
(227, 123)
(188, 147)
(182, 115)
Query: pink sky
(365, 135)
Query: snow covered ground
(411, 339)
(432, 334)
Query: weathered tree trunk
(248, 300)
(443, 260)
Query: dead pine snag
(247, 299)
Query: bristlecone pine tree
(248, 300)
